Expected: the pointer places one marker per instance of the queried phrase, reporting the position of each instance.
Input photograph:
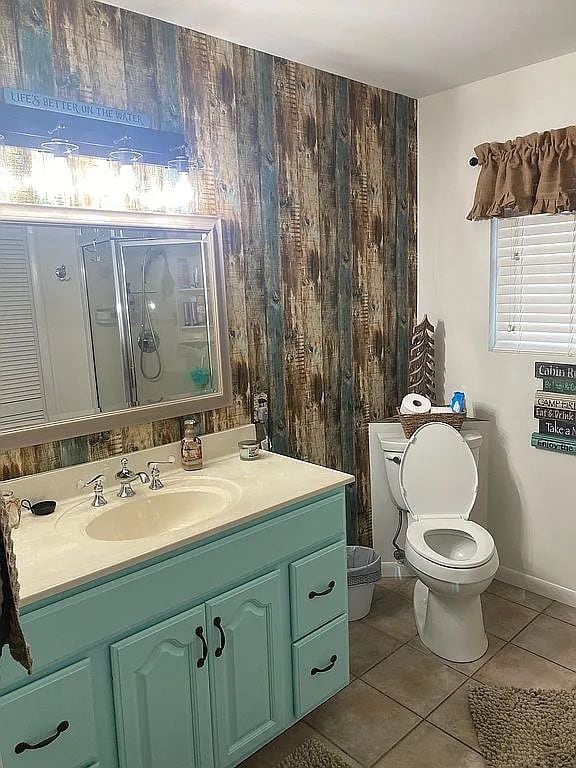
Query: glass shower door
(168, 318)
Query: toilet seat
(472, 545)
(438, 474)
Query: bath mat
(525, 728)
(312, 754)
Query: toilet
(435, 479)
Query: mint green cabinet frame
(137, 633)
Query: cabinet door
(162, 696)
(249, 666)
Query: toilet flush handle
(395, 459)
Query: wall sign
(555, 408)
(19, 98)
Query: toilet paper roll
(414, 403)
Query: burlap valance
(530, 174)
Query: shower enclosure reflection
(95, 320)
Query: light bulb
(127, 180)
(51, 178)
(180, 192)
(7, 180)
(60, 182)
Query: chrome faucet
(155, 483)
(127, 477)
(98, 483)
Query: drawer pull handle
(202, 660)
(218, 625)
(60, 728)
(316, 670)
(329, 588)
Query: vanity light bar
(40, 129)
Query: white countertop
(55, 553)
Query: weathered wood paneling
(34, 46)
(10, 69)
(328, 244)
(272, 288)
(315, 179)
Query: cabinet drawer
(320, 664)
(58, 711)
(318, 590)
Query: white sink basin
(158, 512)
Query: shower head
(153, 253)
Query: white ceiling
(416, 47)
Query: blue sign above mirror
(21, 98)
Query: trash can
(363, 573)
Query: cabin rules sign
(555, 408)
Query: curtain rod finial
(473, 161)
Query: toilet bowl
(436, 480)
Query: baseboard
(395, 569)
(540, 586)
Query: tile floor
(407, 707)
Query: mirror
(108, 323)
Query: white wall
(532, 494)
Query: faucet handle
(169, 460)
(124, 471)
(97, 479)
(98, 483)
(155, 483)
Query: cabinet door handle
(218, 625)
(316, 670)
(329, 588)
(202, 660)
(60, 728)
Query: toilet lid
(438, 473)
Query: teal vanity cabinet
(162, 695)
(196, 659)
(169, 687)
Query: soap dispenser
(191, 446)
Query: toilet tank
(394, 447)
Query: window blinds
(21, 388)
(534, 295)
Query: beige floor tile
(393, 614)
(406, 587)
(551, 638)
(515, 666)
(368, 646)
(469, 667)
(363, 722)
(416, 680)
(273, 754)
(429, 747)
(453, 716)
(563, 612)
(503, 618)
(518, 595)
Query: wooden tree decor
(421, 368)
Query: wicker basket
(411, 422)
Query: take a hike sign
(555, 408)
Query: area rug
(312, 754)
(525, 728)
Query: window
(534, 284)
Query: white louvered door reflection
(22, 400)
(534, 291)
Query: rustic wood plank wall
(315, 179)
